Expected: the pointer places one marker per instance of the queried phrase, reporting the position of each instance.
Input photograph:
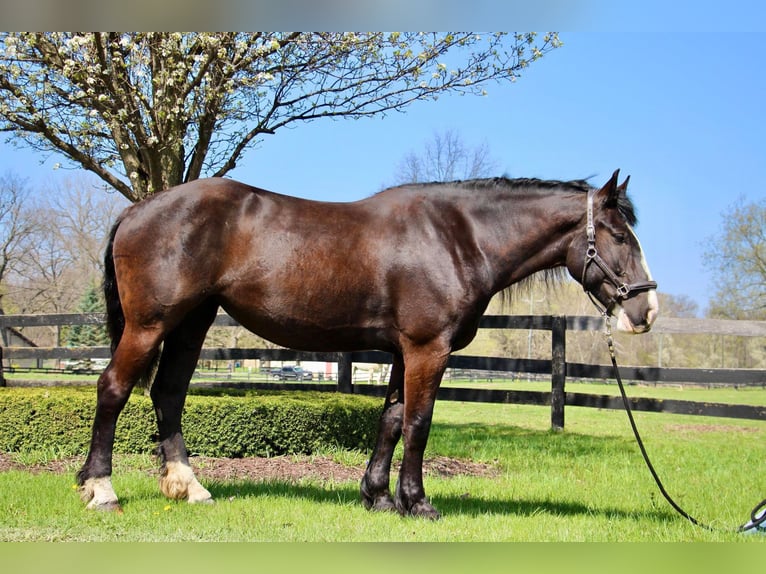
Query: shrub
(262, 423)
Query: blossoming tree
(146, 111)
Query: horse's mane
(521, 183)
(526, 183)
(624, 204)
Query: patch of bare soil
(703, 428)
(7, 463)
(285, 468)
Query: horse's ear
(610, 191)
(623, 187)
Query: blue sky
(682, 113)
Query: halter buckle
(623, 291)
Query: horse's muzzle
(643, 325)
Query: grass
(753, 395)
(587, 483)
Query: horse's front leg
(423, 373)
(375, 482)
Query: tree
(16, 226)
(445, 158)
(51, 247)
(736, 258)
(83, 216)
(146, 111)
(62, 254)
(89, 335)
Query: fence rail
(557, 367)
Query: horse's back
(268, 259)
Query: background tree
(63, 255)
(445, 157)
(16, 226)
(44, 280)
(736, 258)
(59, 257)
(89, 335)
(145, 111)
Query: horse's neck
(533, 233)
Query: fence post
(2, 372)
(558, 370)
(345, 382)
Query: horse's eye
(620, 238)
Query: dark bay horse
(409, 271)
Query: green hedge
(263, 423)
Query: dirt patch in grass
(65, 465)
(703, 428)
(287, 468)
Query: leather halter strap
(624, 290)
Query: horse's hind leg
(130, 361)
(179, 359)
(375, 482)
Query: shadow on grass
(346, 494)
(474, 506)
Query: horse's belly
(317, 333)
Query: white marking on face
(654, 307)
(644, 264)
(653, 301)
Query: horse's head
(606, 258)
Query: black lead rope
(757, 515)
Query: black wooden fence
(558, 368)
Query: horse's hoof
(382, 503)
(99, 495)
(424, 509)
(421, 509)
(110, 506)
(177, 482)
(198, 494)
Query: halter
(624, 290)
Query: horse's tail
(115, 318)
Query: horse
(409, 271)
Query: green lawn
(754, 395)
(587, 483)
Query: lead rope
(757, 515)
